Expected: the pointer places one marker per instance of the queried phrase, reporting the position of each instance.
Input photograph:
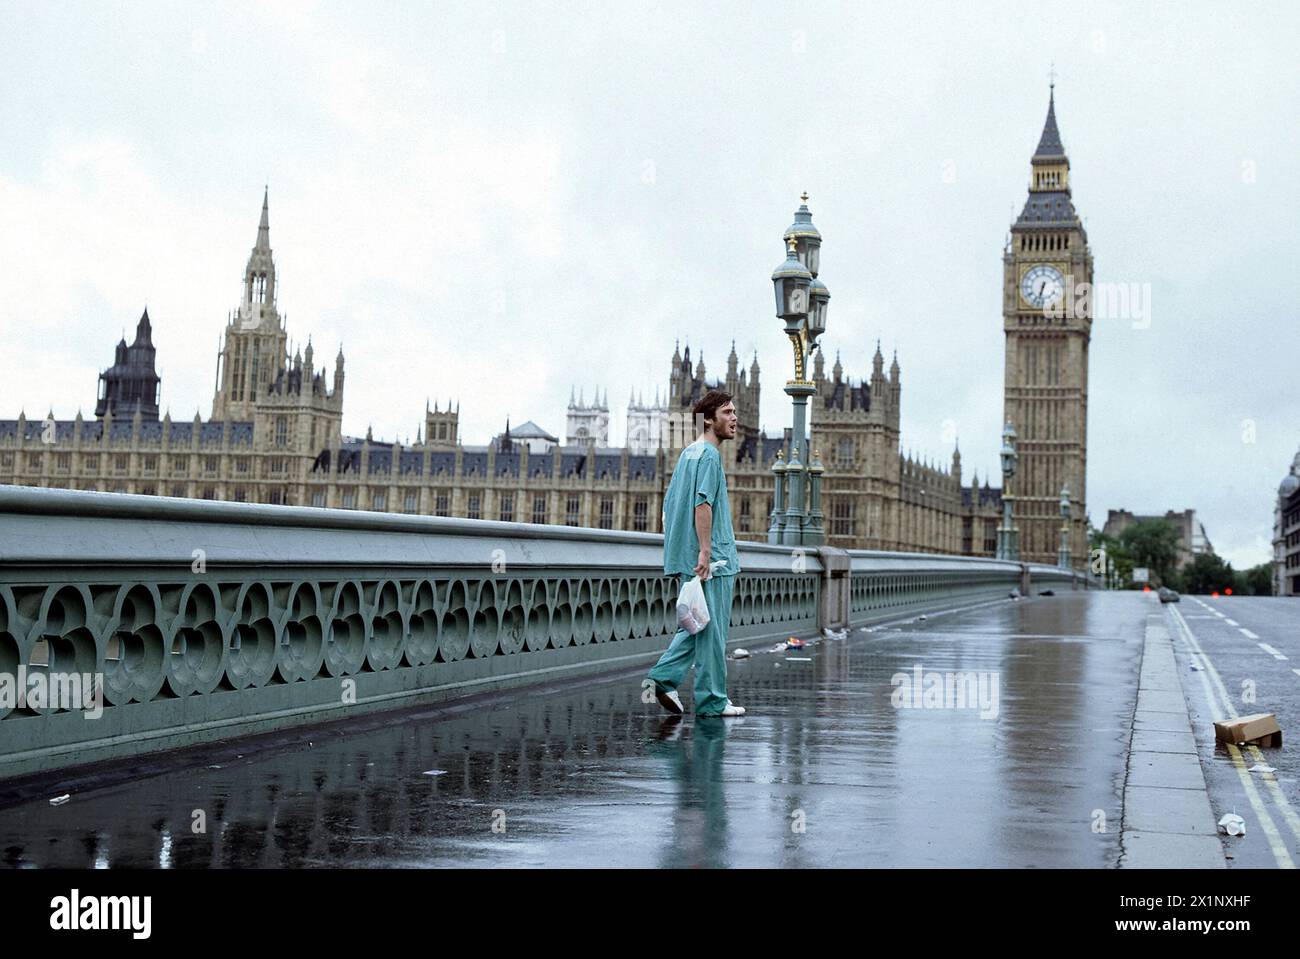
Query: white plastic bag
(692, 610)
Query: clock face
(1042, 286)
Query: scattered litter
(1262, 768)
(864, 629)
(798, 659)
(794, 643)
(215, 766)
(60, 800)
(1014, 594)
(1232, 825)
(1195, 668)
(776, 665)
(740, 654)
(1258, 729)
(434, 772)
(369, 764)
(921, 617)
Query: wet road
(831, 767)
(1248, 648)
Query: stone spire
(264, 227)
(259, 276)
(1049, 144)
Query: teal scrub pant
(707, 649)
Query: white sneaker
(671, 702)
(732, 710)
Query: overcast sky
(498, 203)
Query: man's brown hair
(707, 407)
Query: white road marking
(1271, 651)
(1247, 633)
(1231, 622)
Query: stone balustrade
(204, 620)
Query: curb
(1167, 821)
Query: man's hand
(702, 567)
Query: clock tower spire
(1047, 320)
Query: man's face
(724, 421)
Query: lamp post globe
(791, 281)
(821, 298)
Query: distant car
(1167, 595)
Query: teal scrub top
(698, 478)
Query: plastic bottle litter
(1232, 825)
(60, 800)
(740, 654)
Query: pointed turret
(143, 330)
(131, 384)
(1049, 144)
(264, 225)
(258, 307)
(1049, 203)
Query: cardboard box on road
(1261, 729)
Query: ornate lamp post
(1063, 555)
(801, 304)
(1008, 535)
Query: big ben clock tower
(1047, 317)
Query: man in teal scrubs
(697, 533)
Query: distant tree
(1256, 581)
(1112, 550)
(1207, 573)
(1152, 543)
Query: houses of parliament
(275, 431)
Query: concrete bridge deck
(828, 768)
